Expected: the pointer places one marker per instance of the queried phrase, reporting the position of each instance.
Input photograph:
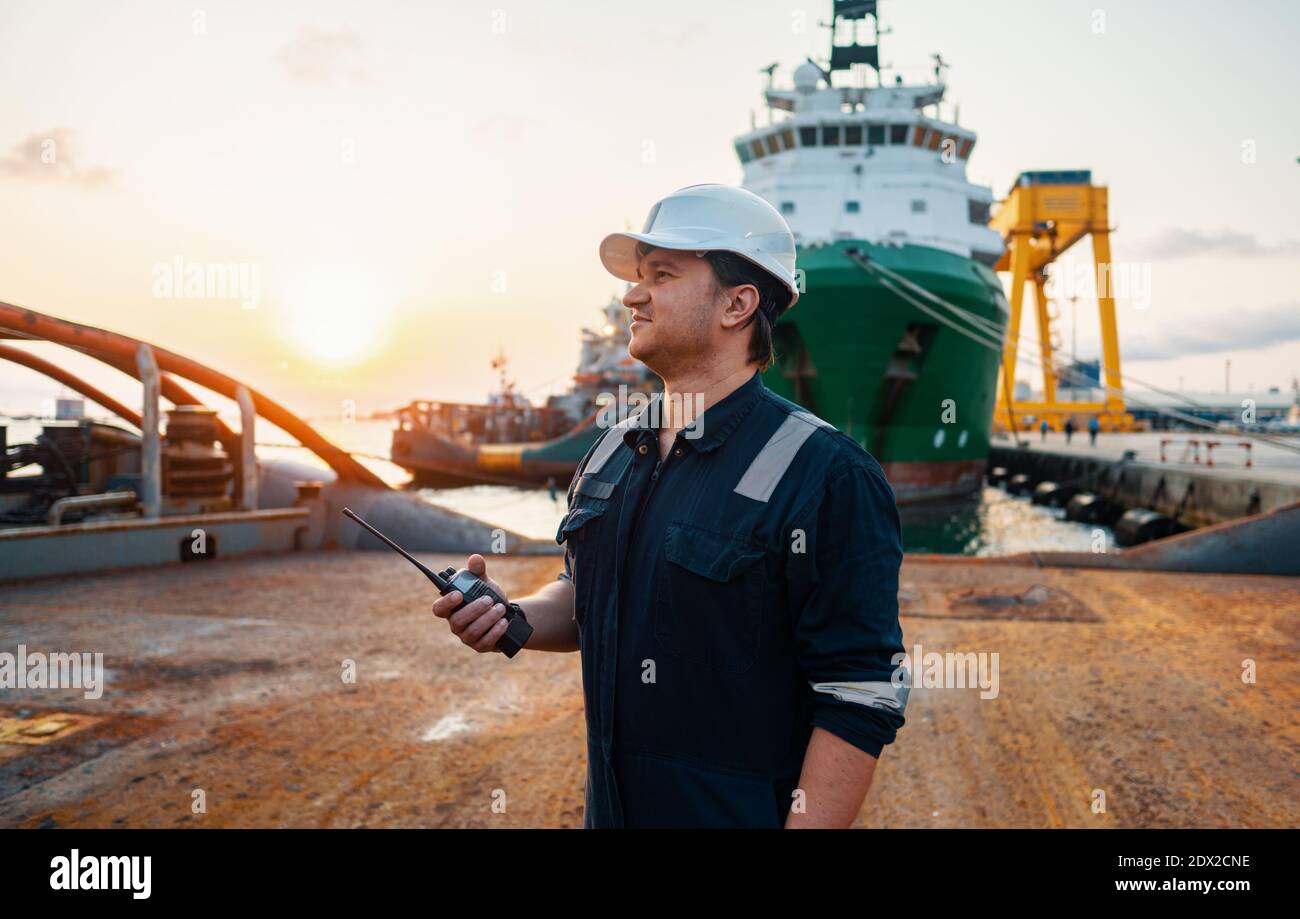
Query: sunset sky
(418, 185)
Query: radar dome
(806, 76)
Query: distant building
(1219, 407)
(1081, 375)
(69, 409)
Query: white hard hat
(709, 218)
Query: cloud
(321, 58)
(51, 156)
(1241, 330)
(1177, 243)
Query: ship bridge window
(756, 146)
(898, 134)
(787, 207)
(918, 135)
(808, 136)
(853, 135)
(787, 135)
(966, 146)
(918, 205)
(773, 143)
(853, 207)
(830, 135)
(979, 212)
(742, 151)
(933, 142)
(876, 135)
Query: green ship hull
(914, 392)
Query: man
(731, 577)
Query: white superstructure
(867, 163)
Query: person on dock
(731, 560)
(1042, 428)
(1093, 427)
(1069, 430)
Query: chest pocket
(711, 598)
(580, 529)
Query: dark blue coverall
(729, 599)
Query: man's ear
(742, 303)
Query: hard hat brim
(618, 250)
(618, 254)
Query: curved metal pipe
(172, 390)
(70, 380)
(28, 323)
(108, 499)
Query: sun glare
(333, 321)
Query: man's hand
(479, 624)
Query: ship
(510, 441)
(872, 182)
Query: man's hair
(732, 270)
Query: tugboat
(510, 441)
(872, 182)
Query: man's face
(673, 307)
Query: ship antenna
(845, 57)
(939, 66)
(499, 364)
(881, 32)
(770, 69)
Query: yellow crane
(1044, 215)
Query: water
(988, 523)
(993, 522)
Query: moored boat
(508, 440)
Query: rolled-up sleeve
(844, 599)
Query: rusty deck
(227, 678)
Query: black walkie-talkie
(471, 588)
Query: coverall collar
(717, 422)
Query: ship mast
(844, 57)
(499, 364)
